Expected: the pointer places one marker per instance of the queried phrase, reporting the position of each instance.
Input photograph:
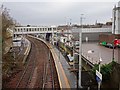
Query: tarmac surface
(105, 53)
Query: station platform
(21, 52)
(70, 75)
(67, 79)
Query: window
(45, 29)
(30, 29)
(37, 29)
(15, 30)
(54, 28)
(49, 29)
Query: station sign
(98, 76)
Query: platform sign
(98, 76)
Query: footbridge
(35, 30)
(53, 29)
(46, 32)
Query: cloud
(59, 0)
(54, 13)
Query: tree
(6, 22)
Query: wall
(92, 37)
(116, 17)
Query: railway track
(40, 70)
(48, 69)
(50, 79)
(28, 70)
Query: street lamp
(80, 50)
(53, 35)
(99, 82)
(99, 74)
(114, 18)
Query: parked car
(109, 40)
(109, 45)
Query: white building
(17, 41)
(116, 19)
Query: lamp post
(52, 35)
(100, 60)
(80, 50)
(73, 53)
(58, 43)
(114, 13)
(99, 83)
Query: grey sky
(57, 13)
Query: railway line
(25, 78)
(49, 78)
(59, 71)
(39, 69)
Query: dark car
(109, 45)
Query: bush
(106, 70)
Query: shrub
(106, 70)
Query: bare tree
(6, 21)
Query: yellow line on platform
(61, 72)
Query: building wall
(92, 37)
(92, 34)
(116, 17)
(119, 18)
(119, 55)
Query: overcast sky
(59, 13)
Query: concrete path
(70, 75)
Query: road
(99, 51)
